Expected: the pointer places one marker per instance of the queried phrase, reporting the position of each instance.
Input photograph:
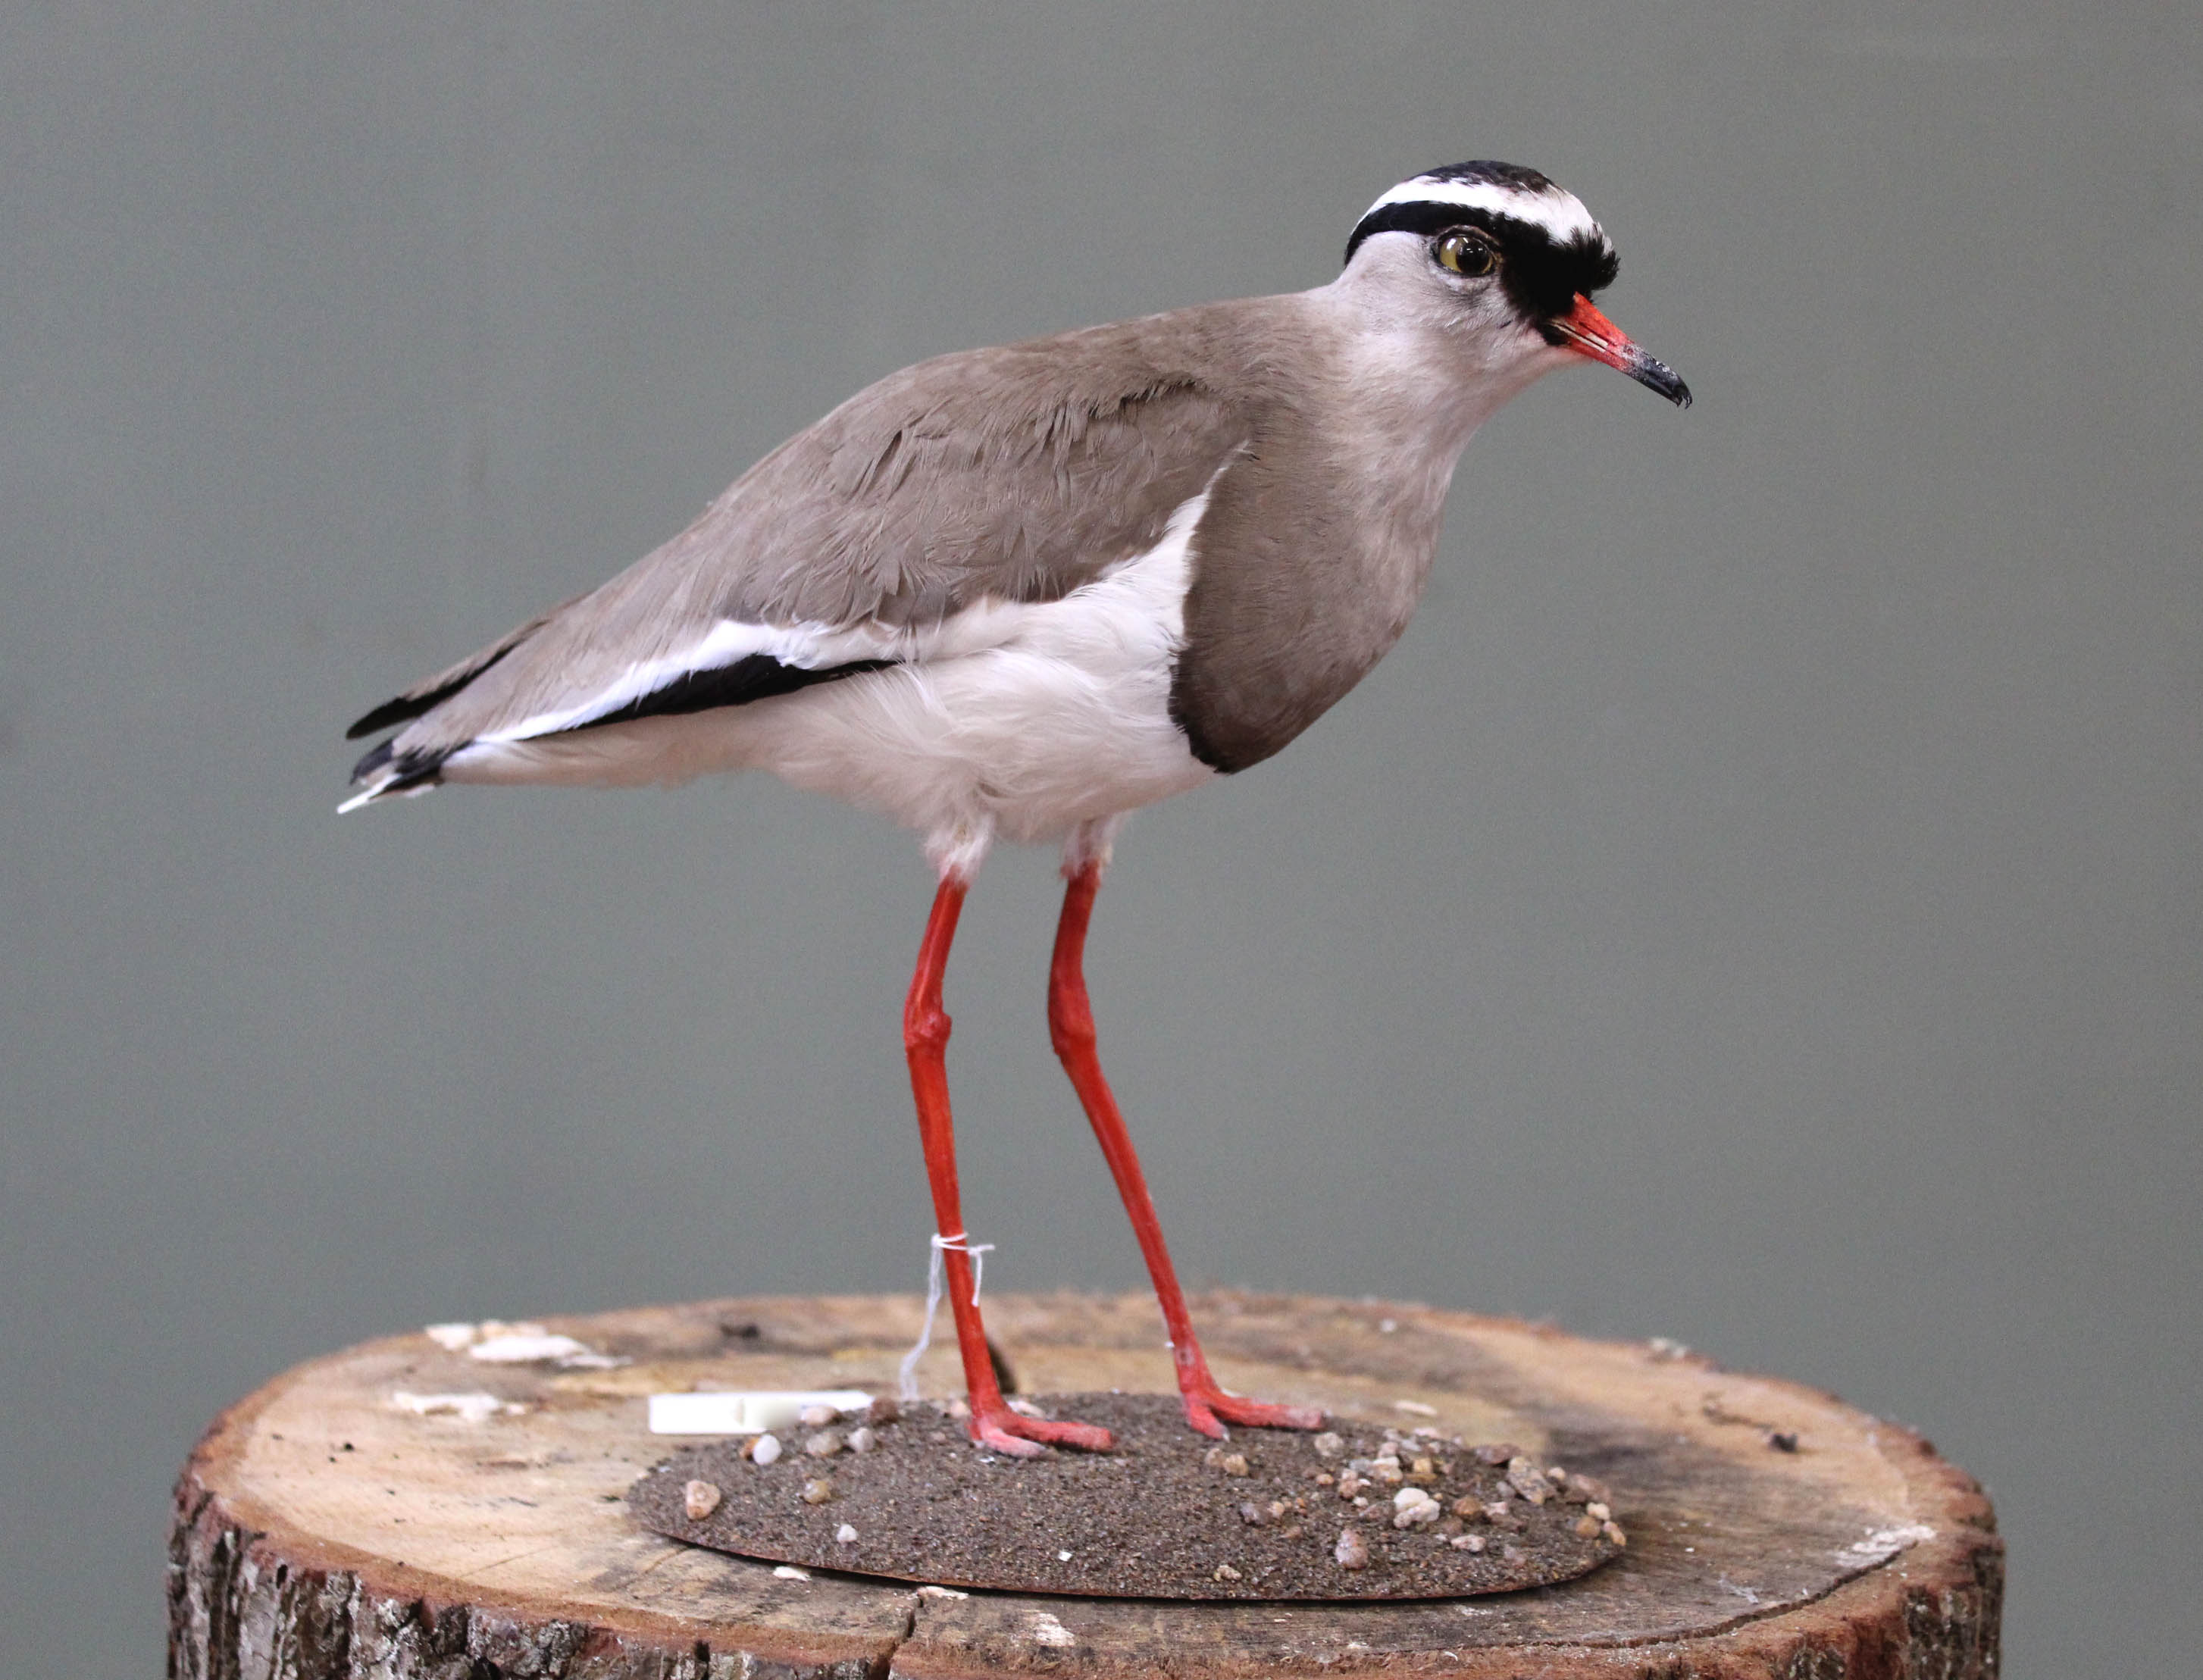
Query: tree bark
(326, 1526)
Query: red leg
(1071, 1024)
(925, 1037)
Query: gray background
(1758, 903)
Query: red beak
(1584, 330)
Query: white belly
(1062, 718)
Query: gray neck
(1316, 546)
(1419, 379)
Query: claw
(1003, 1431)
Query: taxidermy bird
(1015, 593)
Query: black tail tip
(396, 772)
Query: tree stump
(404, 1508)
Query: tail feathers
(386, 774)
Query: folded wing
(888, 532)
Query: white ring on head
(1560, 214)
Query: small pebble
(1234, 1463)
(1497, 1453)
(1528, 1480)
(884, 1409)
(818, 1417)
(1226, 1573)
(1590, 1487)
(1324, 1478)
(1501, 1515)
(817, 1490)
(1783, 1440)
(1612, 1530)
(959, 1408)
(1024, 1408)
(790, 1572)
(1598, 1511)
(1467, 1543)
(699, 1500)
(764, 1449)
(1423, 1467)
(1587, 1527)
(823, 1445)
(1255, 1517)
(1352, 1552)
(1412, 1508)
(1293, 1532)
(1467, 1508)
(845, 1536)
(862, 1440)
(1328, 1445)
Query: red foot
(1002, 1430)
(1208, 1408)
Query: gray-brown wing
(1012, 473)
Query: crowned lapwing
(1017, 592)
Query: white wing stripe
(985, 624)
(721, 645)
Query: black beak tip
(1656, 376)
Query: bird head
(1499, 254)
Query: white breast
(1021, 719)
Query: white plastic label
(750, 1413)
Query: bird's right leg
(925, 1038)
(1208, 1406)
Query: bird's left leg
(925, 1038)
(1070, 1025)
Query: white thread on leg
(935, 1272)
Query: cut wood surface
(406, 1508)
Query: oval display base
(1166, 1514)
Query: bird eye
(1466, 251)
